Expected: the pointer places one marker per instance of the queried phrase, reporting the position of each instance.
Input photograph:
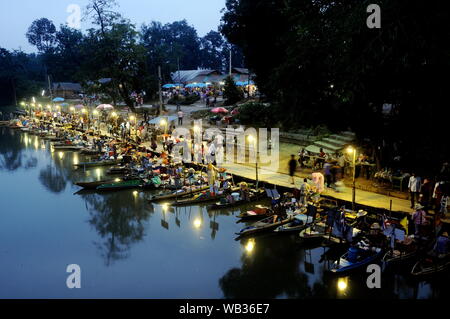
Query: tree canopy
(320, 63)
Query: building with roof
(195, 76)
(66, 90)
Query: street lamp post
(255, 140)
(352, 151)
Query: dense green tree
(211, 55)
(320, 63)
(232, 94)
(42, 34)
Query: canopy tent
(245, 83)
(170, 85)
(161, 119)
(105, 107)
(58, 99)
(196, 85)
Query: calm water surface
(129, 248)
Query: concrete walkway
(345, 193)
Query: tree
(117, 55)
(102, 14)
(211, 56)
(41, 34)
(231, 93)
(320, 63)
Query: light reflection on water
(128, 247)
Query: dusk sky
(16, 16)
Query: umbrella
(168, 86)
(58, 99)
(64, 104)
(234, 112)
(79, 106)
(219, 110)
(105, 107)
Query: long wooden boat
(355, 259)
(264, 225)
(130, 184)
(254, 196)
(68, 148)
(176, 194)
(97, 163)
(94, 185)
(314, 232)
(87, 151)
(119, 170)
(300, 222)
(431, 265)
(259, 212)
(200, 198)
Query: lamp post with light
(352, 150)
(254, 140)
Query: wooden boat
(67, 148)
(300, 222)
(181, 193)
(199, 198)
(87, 151)
(314, 232)
(254, 196)
(94, 185)
(119, 170)
(431, 265)
(356, 258)
(264, 225)
(136, 183)
(259, 212)
(97, 163)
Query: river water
(129, 248)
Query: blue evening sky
(17, 15)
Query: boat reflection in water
(130, 248)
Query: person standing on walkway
(301, 157)
(180, 117)
(327, 172)
(292, 168)
(305, 189)
(414, 188)
(426, 191)
(419, 217)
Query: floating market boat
(259, 212)
(181, 193)
(431, 265)
(356, 258)
(94, 185)
(203, 197)
(300, 222)
(235, 200)
(136, 183)
(107, 162)
(264, 225)
(67, 148)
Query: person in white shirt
(180, 118)
(414, 188)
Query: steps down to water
(332, 144)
